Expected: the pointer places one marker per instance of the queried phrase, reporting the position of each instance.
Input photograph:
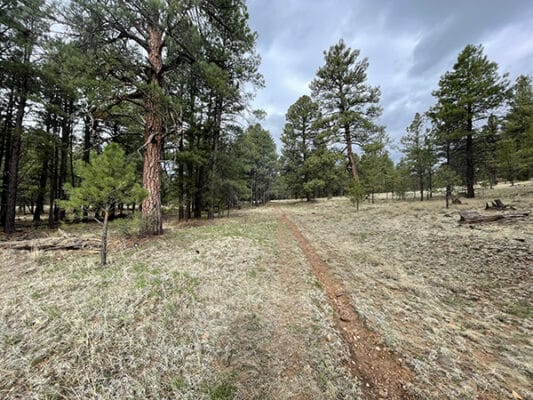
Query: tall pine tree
(349, 105)
(299, 140)
(467, 95)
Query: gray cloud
(409, 44)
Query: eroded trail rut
(378, 369)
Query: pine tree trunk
(470, 177)
(421, 184)
(53, 189)
(5, 177)
(103, 249)
(198, 194)
(181, 182)
(42, 189)
(349, 150)
(214, 151)
(64, 157)
(14, 158)
(430, 183)
(151, 206)
(6, 129)
(89, 133)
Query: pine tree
(487, 143)
(260, 158)
(418, 151)
(349, 105)
(467, 95)
(446, 177)
(24, 25)
(518, 129)
(141, 46)
(402, 179)
(375, 166)
(107, 181)
(299, 139)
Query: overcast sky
(409, 44)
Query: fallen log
(497, 204)
(473, 217)
(50, 244)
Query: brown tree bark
(151, 205)
(5, 140)
(103, 249)
(181, 181)
(42, 188)
(349, 150)
(16, 144)
(7, 136)
(53, 188)
(421, 185)
(66, 130)
(470, 173)
(198, 194)
(470, 178)
(214, 150)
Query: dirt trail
(379, 370)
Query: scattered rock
(345, 318)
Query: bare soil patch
(377, 368)
(454, 300)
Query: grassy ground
(231, 309)
(220, 311)
(454, 299)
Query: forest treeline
(479, 131)
(170, 82)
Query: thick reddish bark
(151, 206)
(351, 158)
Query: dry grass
(454, 299)
(221, 311)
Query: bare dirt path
(379, 370)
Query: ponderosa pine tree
(260, 159)
(138, 45)
(24, 25)
(402, 179)
(487, 143)
(417, 151)
(467, 95)
(299, 139)
(348, 104)
(375, 165)
(518, 129)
